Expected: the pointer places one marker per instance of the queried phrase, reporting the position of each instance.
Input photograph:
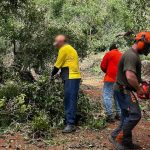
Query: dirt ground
(82, 139)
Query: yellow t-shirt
(68, 62)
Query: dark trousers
(130, 116)
(71, 89)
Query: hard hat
(143, 42)
(143, 36)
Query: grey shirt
(130, 61)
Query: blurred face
(145, 51)
(59, 41)
(142, 48)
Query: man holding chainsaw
(68, 62)
(126, 89)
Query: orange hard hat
(142, 38)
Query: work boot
(119, 146)
(110, 119)
(116, 144)
(131, 146)
(69, 129)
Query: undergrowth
(37, 107)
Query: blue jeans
(130, 116)
(107, 99)
(71, 89)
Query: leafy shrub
(2, 103)
(40, 105)
(14, 110)
(97, 123)
(9, 90)
(40, 122)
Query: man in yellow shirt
(68, 62)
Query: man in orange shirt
(109, 66)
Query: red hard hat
(142, 38)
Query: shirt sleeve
(61, 58)
(130, 63)
(104, 63)
(54, 71)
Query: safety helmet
(143, 36)
(143, 42)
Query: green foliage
(40, 122)
(27, 28)
(2, 103)
(9, 90)
(57, 6)
(97, 123)
(40, 105)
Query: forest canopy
(27, 27)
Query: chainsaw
(146, 87)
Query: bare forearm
(132, 80)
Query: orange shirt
(109, 65)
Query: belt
(126, 87)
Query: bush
(40, 105)
(40, 122)
(9, 90)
